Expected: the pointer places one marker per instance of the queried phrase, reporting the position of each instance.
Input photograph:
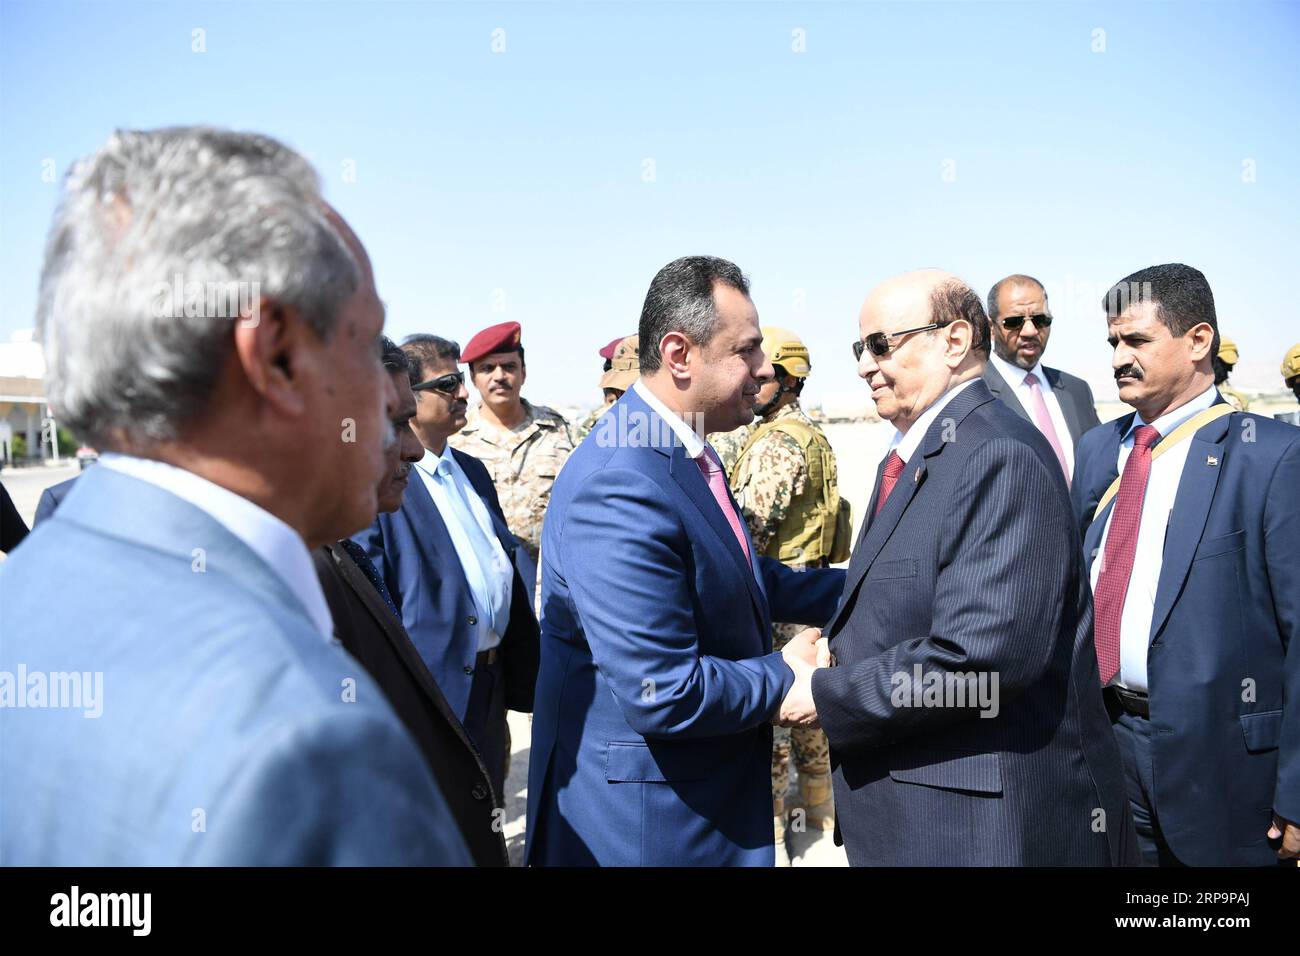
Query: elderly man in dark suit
(1059, 404)
(367, 623)
(447, 559)
(964, 720)
(1191, 523)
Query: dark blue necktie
(358, 554)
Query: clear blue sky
(819, 172)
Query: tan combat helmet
(787, 350)
(1291, 364)
(1228, 351)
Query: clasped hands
(805, 653)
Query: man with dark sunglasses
(963, 726)
(1057, 403)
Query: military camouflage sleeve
(775, 472)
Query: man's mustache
(1129, 371)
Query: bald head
(921, 363)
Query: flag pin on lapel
(1212, 461)
(917, 477)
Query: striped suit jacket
(964, 712)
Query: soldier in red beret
(523, 445)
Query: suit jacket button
(469, 668)
(471, 620)
(479, 792)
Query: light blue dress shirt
(485, 563)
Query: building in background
(23, 410)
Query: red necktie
(893, 468)
(1121, 548)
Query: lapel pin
(1212, 461)
(917, 477)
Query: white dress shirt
(1148, 559)
(277, 544)
(1015, 376)
(907, 444)
(490, 573)
(692, 442)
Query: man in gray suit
(170, 688)
(1057, 403)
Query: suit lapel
(686, 473)
(1092, 539)
(1196, 488)
(1065, 398)
(882, 526)
(1002, 389)
(432, 536)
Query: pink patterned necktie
(717, 479)
(1043, 419)
(1121, 551)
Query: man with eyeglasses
(447, 558)
(963, 725)
(1059, 404)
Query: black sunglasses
(877, 343)
(448, 384)
(1012, 323)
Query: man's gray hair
(681, 300)
(224, 219)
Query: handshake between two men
(804, 654)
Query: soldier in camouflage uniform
(622, 368)
(784, 480)
(522, 445)
(729, 444)
(1223, 363)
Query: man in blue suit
(448, 560)
(1191, 521)
(652, 741)
(170, 691)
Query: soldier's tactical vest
(809, 532)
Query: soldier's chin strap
(781, 389)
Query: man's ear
(1200, 338)
(272, 353)
(960, 338)
(675, 354)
